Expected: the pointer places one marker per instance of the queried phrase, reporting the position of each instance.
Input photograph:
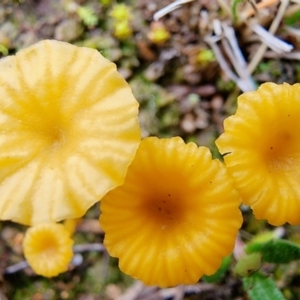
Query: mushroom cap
(68, 131)
(48, 249)
(261, 144)
(176, 215)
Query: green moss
(293, 19)
(25, 287)
(115, 275)
(87, 15)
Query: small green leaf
(255, 247)
(248, 264)
(294, 18)
(218, 276)
(276, 251)
(234, 9)
(3, 50)
(265, 236)
(261, 287)
(87, 15)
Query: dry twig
(270, 40)
(225, 6)
(76, 249)
(89, 247)
(263, 4)
(292, 9)
(225, 34)
(135, 291)
(167, 9)
(238, 60)
(273, 28)
(292, 56)
(16, 267)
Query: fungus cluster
(68, 131)
(69, 137)
(176, 215)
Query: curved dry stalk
(292, 9)
(226, 7)
(274, 43)
(167, 9)
(273, 28)
(263, 4)
(98, 247)
(292, 56)
(238, 60)
(226, 35)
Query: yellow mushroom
(261, 144)
(48, 249)
(176, 215)
(68, 131)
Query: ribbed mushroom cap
(68, 131)
(261, 144)
(176, 215)
(48, 249)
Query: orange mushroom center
(47, 246)
(56, 137)
(45, 125)
(283, 152)
(165, 210)
(51, 135)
